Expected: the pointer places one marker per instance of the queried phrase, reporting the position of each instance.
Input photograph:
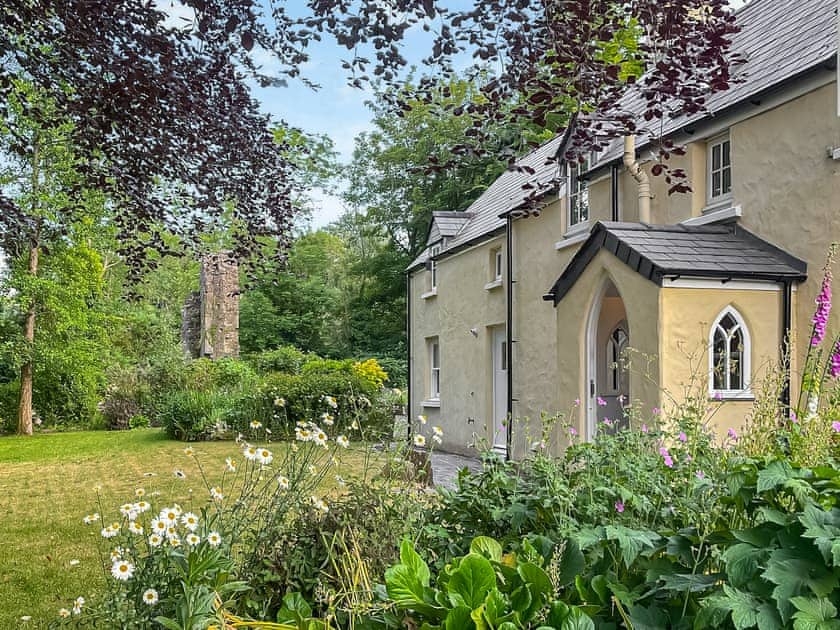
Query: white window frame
(433, 266)
(498, 263)
(719, 141)
(577, 189)
(434, 368)
(728, 393)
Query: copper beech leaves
(166, 126)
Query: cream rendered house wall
(462, 305)
(687, 315)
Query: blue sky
(336, 109)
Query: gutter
(409, 362)
(787, 299)
(509, 330)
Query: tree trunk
(25, 406)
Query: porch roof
(670, 251)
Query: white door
(500, 360)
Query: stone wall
(210, 317)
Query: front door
(500, 360)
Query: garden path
(445, 467)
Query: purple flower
(688, 457)
(608, 422)
(577, 402)
(663, 451)
(683, 437)
(718, 396)
(601, 402)
(834, 365)
(820, 318)
(644, 428)
(656, 411)
(668, 461)
(836, 426)
(700, 474)
(731, 433)
(619, 507)
(572, 431)
(793, 417)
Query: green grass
(47, 486)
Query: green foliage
(192, 415)
(286, 359)
(485, 588)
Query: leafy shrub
(192, 414)
(223, 374)
(286, 359)
(139, 422)
(371, 371)
(9, 398)
(397, 369)
(280, 401)
(124, 398)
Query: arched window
(616, 344)
(729, 356)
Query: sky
(336, 109)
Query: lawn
(46, 488)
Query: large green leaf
(795, 571)
(647, 618)
(410, 558)
(823, 527)
(487, 547)
(496, 607)
(571, 564)
(742, 561)
(814, 614)
(577, 620)
(471, 581)
(631, 542)
(407, 592)
(459, 618)
(776, 474)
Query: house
(512, 314)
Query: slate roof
(780, 39)
(503, 195)
(660, 251)
(450, 223)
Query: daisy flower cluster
(420, 439)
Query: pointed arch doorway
(607, 378)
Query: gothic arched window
(729, 355)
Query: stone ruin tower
(210, 317)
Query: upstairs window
(433, 266)
(498, 264)
(578, 193)
(729, 355)
(720, 169)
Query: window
(434, 369)
(720, 169)
(498, 265)
(433, 266)
(616, 345)
(729, 356)
(578, 193)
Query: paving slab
(445, 467)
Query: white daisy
(150, 597)
(122, 570)
(155, 540)
(193, 539)
(190, 521)
(230, 465)
(174, 541)
(264, 456)
(256, 424)
(331, 401)
(77, 605)
(214, 539)
(437, 431)
(327, 419)
(342, 441)
(250, 453)
(169, 516)
(422, 419)
(189, 451)
(319, 504)
(320, 438)
(159, 526)
(109, 532)
(279, 402)
(140, 493)
(419, 440)
(354, 425)
(134, 528)
(91, 518)
(127, 510)
(142, 506)
(216, 493)
(283, 482)
(74, 563)
(63, 613)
